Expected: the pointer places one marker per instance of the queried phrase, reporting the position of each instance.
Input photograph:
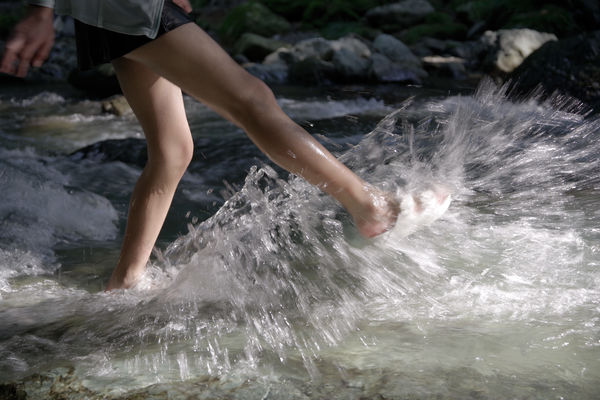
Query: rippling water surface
(260, 286)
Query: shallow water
(260, 286)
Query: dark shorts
(97, 46)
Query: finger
(8, 62)
(42, 54)
(11, 51)
(184, 4)
(26, 56)
(23, 68)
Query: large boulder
(399, 15)
(509, 47)
(272, 73)
(351, 59)
(383, 69)
(350, 66)
(348, 59)
(570, 66)
(312, 71)
(256, 47)
(396, 51)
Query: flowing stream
(260, 286)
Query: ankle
(125, 278)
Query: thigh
(192, 60)
(156, 102)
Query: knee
(254, 101)
(174, 155)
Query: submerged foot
(125, 280)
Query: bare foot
(379, 212)
(376, 214)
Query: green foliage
(548, 19)
(551, 16)
(439, 18)
(338, 29)
(318, 13)
(9, 19)
(198, 4)
(452, 30)
(252, 17)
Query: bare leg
(188, 57)
(158, 105)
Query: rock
(352, 44)
(453, 67)
(273, 73)
(252, 17)
(399, 15)
(471, 51)
(509, 47)
(256, 47)
(570, 66)
(383, 69)
(100, 81)
(313, 48)
(312, 70)
(351, 59)
(395, 50)
(348, 59)
(349, 66)
(116, 105)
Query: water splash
(502, 289)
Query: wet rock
(256, 47)
(399, 15)
(129, 151)
(509, 47)
(116, 105)
(570, 66)
(100, 81)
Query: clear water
(260, 287)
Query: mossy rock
(452, 30)
(252, 17)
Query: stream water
(260, 286)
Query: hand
(30, 42)
(185, 4)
